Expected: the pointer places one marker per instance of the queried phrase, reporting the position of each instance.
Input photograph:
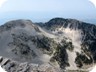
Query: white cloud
(2, 2)
(94, 2)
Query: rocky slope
(59, 44)
(14, 66)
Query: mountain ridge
(63, 43)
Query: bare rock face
(60, 45)
(13, 66)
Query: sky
(44, 10)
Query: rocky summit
(59, 45)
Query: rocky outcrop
(14, 66)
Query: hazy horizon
(44, 10)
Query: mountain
(60, 44)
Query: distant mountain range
(59, 45)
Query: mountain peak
(70, 23)
(19, 21)
(14, 23)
